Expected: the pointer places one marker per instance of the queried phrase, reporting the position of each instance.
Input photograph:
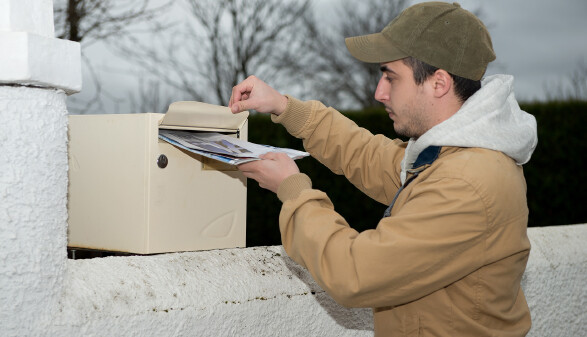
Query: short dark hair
(464, 87)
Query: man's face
(404, 100)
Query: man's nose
(382, 92)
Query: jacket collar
(425, 158)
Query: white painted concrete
(555, 281)
(33, 214)
(40, 61)
(29, 52)
(259, 291)
(33, 16)
(233, 292)
(33, 164)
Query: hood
(490, 119)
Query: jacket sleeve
(369, 162)
(422, 248)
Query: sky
(540, 42)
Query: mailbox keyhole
(162, 161)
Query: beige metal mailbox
(129, 191)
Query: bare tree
(578, 82)
(339, 78)
(572, 87)
(150, 96)
(223, 42)
(92, 21)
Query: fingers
(240, 94)
(271, 170)
(272, 155)
(238, 107)
(254, 94)
(240, 104)
(250, 167)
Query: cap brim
(373, 48)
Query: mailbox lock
(162, 161)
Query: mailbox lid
(194, 115)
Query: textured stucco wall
(555, 281)
(259, 291)
(234, 292)
(33, 164)
(33, 191)
(29, 52)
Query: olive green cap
(441, 34)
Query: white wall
(36, 71)
(233, 292)
(555, 281)
(33, 187)
(259, 291)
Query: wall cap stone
(33, 16)
(40, 61)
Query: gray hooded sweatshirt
(490, 119)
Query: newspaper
(222, 147)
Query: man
(449, 253)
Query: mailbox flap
(192, 115)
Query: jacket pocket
(412, 326)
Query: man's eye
(386, 77)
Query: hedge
(555, 177)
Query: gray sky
(540, 42)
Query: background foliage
(555, 175)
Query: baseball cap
(441, 34)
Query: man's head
(440, 34)
(445, 51)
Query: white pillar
(36, 73)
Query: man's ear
(441, 82)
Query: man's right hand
(254, 94)
(271, 170)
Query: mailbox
(131, 192)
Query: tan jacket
(449, 259)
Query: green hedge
(554, 175)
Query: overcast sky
(540, 42)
